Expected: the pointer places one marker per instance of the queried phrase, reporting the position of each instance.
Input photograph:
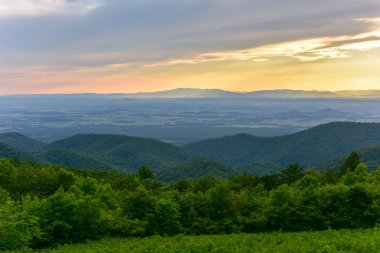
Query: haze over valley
(182, 116)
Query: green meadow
(362, 240)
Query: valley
(178, 120)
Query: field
(365, 241)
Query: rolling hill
(259, 168)
(196, 167)
(325, 146)
(310, 147)
(369, 155)
(7, 151)
(72, 159)
(21, 142)
(123, 153)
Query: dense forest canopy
(46, 205)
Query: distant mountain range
(325, 146)
(187, 93)
(217, 93)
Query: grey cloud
(155, 30)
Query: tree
(292, 173)
(221, 209)
(145, 173)
(17, 227)
(308, 182)
(270, 182)
(351, 162)
(138, 204)
(165, 218)
(334, 206)
(283, 212)
(359, 207)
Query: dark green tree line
(42, 206)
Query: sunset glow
(120, 46)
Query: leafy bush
(17, 227)
(42, 206)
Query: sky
(115, 46)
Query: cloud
(158, 30)
(115, 37)
(30, 8)
(303, 50)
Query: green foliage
(145, 173)
(138, 204)
(70, 158)
(17, 227)
(165, 218)
(221, 209)
(43, 205)
(196, 167)
(21, 142)
(321, 146)
(284, 210)
(7, 151)
(120, 152)
(4, 195)
(311, 147)
(259, 168)
(21, 178)
(350, 241)
(69, 216)
(368, 155)
(292, 173)
(350, 164)
(308, 182)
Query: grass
(365, 241)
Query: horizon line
(184, 88)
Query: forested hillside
(70, 158)
(21, 142)
(324, 147)
(123, 153)
(7, 151)
(369, 155)
(259, 168)
(311, 147)
(196, 167)
(43, 206)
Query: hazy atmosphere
(76, 46)
(189, 126)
